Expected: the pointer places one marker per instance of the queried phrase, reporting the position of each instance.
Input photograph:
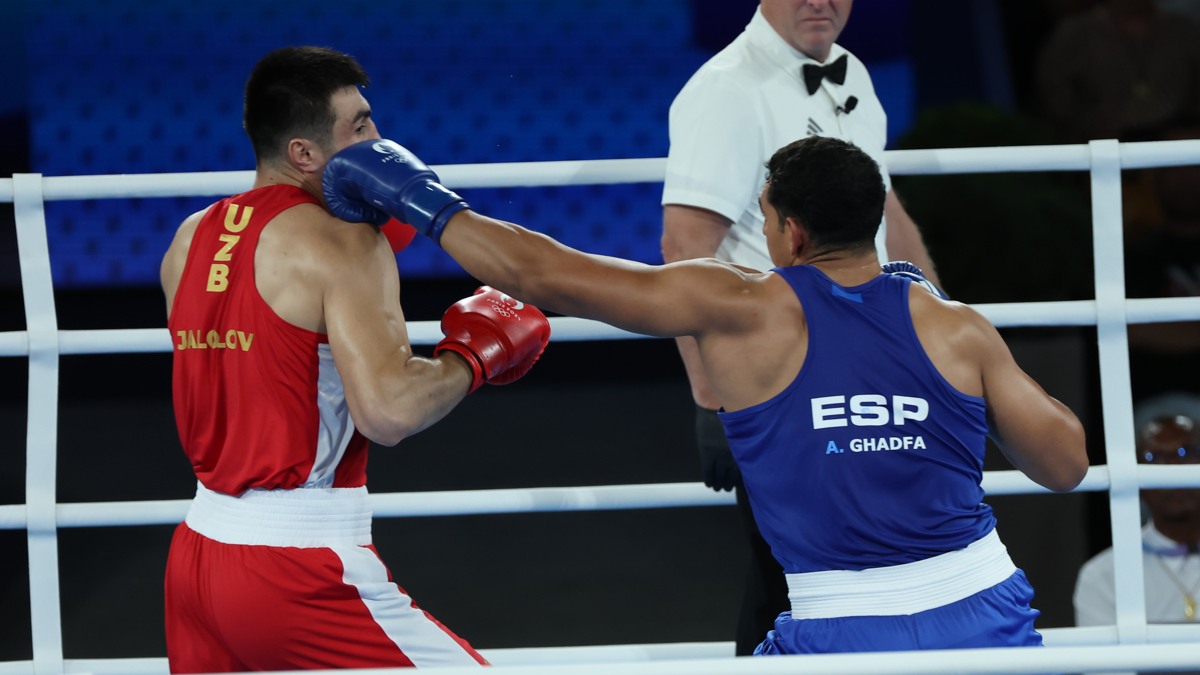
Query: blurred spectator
(1168, 432)
(1123, 69)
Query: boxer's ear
(798, 236)
(305, 155)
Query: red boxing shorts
(250, 587)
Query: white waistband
(301, 518)
(901, 589)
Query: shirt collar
(763, 36)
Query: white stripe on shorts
(422, 640)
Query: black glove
(717, 467)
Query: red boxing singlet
(273, 568)
(258, 402)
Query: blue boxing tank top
(869, 458)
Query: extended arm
(373, 178)
(666, 301)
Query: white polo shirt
(1094, 590)
(741, 106)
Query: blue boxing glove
(903, 268)
(374, 180)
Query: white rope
(545, 500)
(571, 329)
(611, 171)
(412, 504)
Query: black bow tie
(835, 72)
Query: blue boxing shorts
(999, 616)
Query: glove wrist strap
(430, 207)
(477, 373)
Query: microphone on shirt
(849, 106)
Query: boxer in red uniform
(290, 352)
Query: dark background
(115, 86)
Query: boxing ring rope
(1128, 645)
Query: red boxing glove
(500, 337)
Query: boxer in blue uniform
(878, 512)
(855, 400)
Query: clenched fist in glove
(372, 180)
(499, 337)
